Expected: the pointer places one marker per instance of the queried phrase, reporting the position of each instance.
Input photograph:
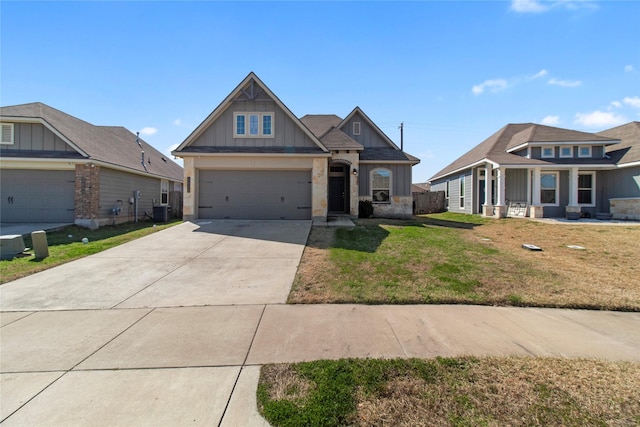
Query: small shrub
(365, 209)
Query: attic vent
(356, 128)
(7, 133)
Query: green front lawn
(66, 245)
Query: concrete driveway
(192, 264)
(172, 329)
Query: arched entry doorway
(338, 187)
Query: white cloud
(564, 83)
(599, 119)
(628, 68)
(528, 6)
(551, 120)
(148, 131)
(616, 104)
(632, 102)
(177, 122)
(539, 74)
(494, 85)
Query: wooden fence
(429, 202)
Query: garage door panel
(255, 194)
(37, 196)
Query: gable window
(566, 152)
(461, 194)
(584, 151)
(586, 188)
(7, 133)
(164, 191)
(381, 185)
(253, 125)
(549, 188)
(356, 128)
(547, 152)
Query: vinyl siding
(400, 178)
(368, 137)
(454, 193)
(287, 133)
(117, 185)
(619, 183)
(516, 185)
(35, 137)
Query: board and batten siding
(454, 191)
(369, 137)
(400, 178)
(517, 185)
(287, 133)
(116, 185)
(619, 183)
(35, 137)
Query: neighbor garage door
(37, 196)
(254, 194)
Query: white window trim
(588, 147)
(12, 133)
(261, 116)
(557, 174)
(164, 189)
(566, 156)
(390, 185)
(356, 128)
(553, 153)
(593, 189)
(461, 191)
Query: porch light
(355, 171)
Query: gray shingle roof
(335, 139)
(319, 124)
(389, 154)
(109, 144)
(251, 150)
(495, 147)
(628, 151)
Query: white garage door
(255, 194)
(37, 196)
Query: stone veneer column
(87, 194)
(319, 184)
(189, 190)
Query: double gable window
(253, 125)
(381, 185)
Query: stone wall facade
(625, 208)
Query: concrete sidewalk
(171, 329)
(155, 366)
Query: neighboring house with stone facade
(57, 168)
(252, 158)
(543, 171)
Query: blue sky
(454, 72)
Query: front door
(337, 189)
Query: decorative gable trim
(253, 80)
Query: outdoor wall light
(355, 171)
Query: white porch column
(487, 207)
(501, 208)
(536, 209)
(573, 209)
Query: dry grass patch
(465, 259)
(459, 392)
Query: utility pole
(401, 136)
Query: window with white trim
(584, 151)
(164, 192)
(549, 188)
(446, 193)
(7, 134)
(356, 128)
(381, 185)
(253, 125)
(566, 152)
(586, 188)
(461, 194)
(547, 152)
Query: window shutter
(7, 133)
